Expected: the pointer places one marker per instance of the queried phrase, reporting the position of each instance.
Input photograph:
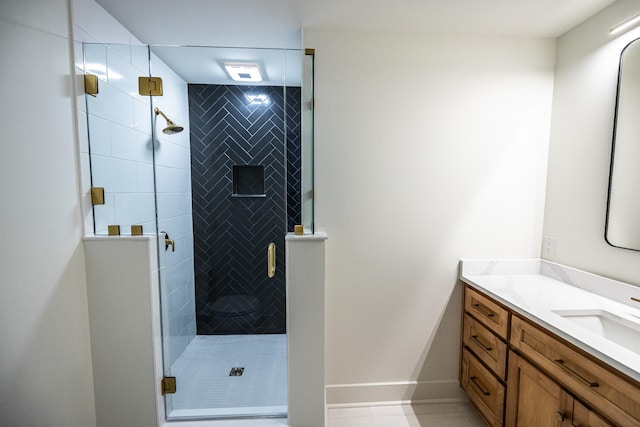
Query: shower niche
(248, 181)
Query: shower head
(171, 126)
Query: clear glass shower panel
(306, 165)
(119, 128)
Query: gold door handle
(271, 260)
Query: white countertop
(536, 288)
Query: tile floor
(205, 389)
(422, 415)
(419, 415)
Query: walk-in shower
(226, 178)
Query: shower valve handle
(168, 242)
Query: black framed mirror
(622, 228)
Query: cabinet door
(602, 388)
(483, 389)
(583, 417)
(533, 400)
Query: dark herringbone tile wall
(231, 234)
(293, 110)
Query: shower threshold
(228, 413)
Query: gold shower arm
(169, 121)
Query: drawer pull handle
(482, 309)
(477, 384)
(480, 343)
(566, 367)
(561, 416)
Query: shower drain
(236, 372)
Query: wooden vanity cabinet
(483, 388)
(535, 400)
(585, 417)
(488, 312)
(486, 346)
(598, 385)
(484, 355)
(521, 375)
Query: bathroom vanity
(548, 345)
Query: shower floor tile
(205, 388)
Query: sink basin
(620, 330)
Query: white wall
(45, 359)
(124, 299)
(580, 145)
(428, 149)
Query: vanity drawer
(487, 346)
(487, 312)
(608, 392)
(483, 388)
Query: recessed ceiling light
(243, 72)
(261, 99)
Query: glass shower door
(223, 198)
(170, 128)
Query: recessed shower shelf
(248, 181)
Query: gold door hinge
(91, 84)
(168, 385)
(97, 196)
(150, 86)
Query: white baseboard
(394, 393)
